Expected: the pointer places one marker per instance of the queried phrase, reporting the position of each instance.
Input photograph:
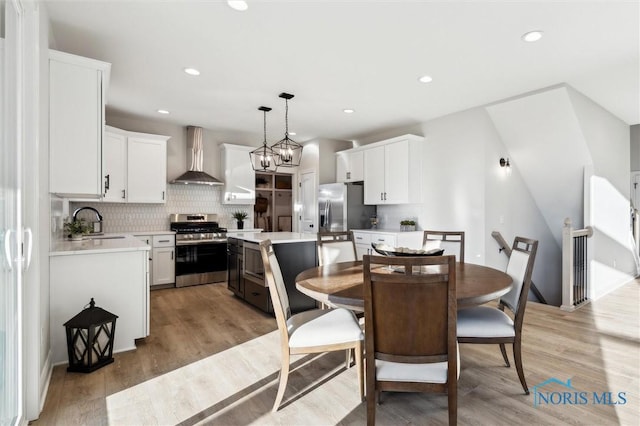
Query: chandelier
(263, 159)
(288, 152)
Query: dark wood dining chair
(336, 246)
(492, 325)
(314, 331)
(410, 328)
(450, 241)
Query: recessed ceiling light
(425, 79)
(532, 36)
(192, 71)
(238, 5)
(292, 133)
(163, 111)
(348, 110)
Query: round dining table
(341, 284)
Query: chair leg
(504, 354)
(348, 361)
(284, 376)
(360, 367)
(370, 373)
(452, 395)
(517, 355)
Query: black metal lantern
(90, 336)
(288, 152)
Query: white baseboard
(45, 379)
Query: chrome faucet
(98, 215)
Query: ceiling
(333, 55)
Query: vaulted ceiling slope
(365, 56)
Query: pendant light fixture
(288, 152)
(263, 159)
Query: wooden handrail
(507, 250)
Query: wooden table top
(340, 284)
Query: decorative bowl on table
(387, 250)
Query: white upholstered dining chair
(451, 241)
(314, 331)
(410, 328)
(334, 247)
(485, 324)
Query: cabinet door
(396, 166)
(374, 175)
(146, 170)
(239, 177)
(75, 129)
(342, 166)
(164, 269)
(114, 167)
(356, 166)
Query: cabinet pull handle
(171, 255)
(163, 195)
(348, 175)
(385, 196)
(381, 196)
(106, 183)
(253, 293)
(124, 193)
(164, 241)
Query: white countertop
(98, 245)
(276, 237)
(385, 231)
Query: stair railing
(575, 266)
(507, 250)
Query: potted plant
(76, 229)
(408, 225)
(240, 216)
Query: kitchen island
(111, 269)
(295, 253)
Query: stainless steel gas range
(201, 249)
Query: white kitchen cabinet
(392, 171)
(350, 166)
(146, 168)
(239, 176)
(364, 239)
(164, 267)
(148, 240)
(77, 94)
(117, 280)
(135, 166)
(114, 167)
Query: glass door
(11, 391)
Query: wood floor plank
(213, 359)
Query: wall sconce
(504, 162)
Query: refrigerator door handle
(327, 213)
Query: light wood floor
(212, 359)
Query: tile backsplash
(133, 217)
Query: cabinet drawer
(258, 296)
(387, 239)
(362, 238)
(164, 241)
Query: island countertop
(275, 237)
(99, 244)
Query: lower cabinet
(162, 264)
(245, 269)
(118, 282)
(364, 239)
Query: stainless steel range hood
(195, 175)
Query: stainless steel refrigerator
(341, 207)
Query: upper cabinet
(77, 95)
(350, 166)
(239, 177)
(392, 171)
(135, 166)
